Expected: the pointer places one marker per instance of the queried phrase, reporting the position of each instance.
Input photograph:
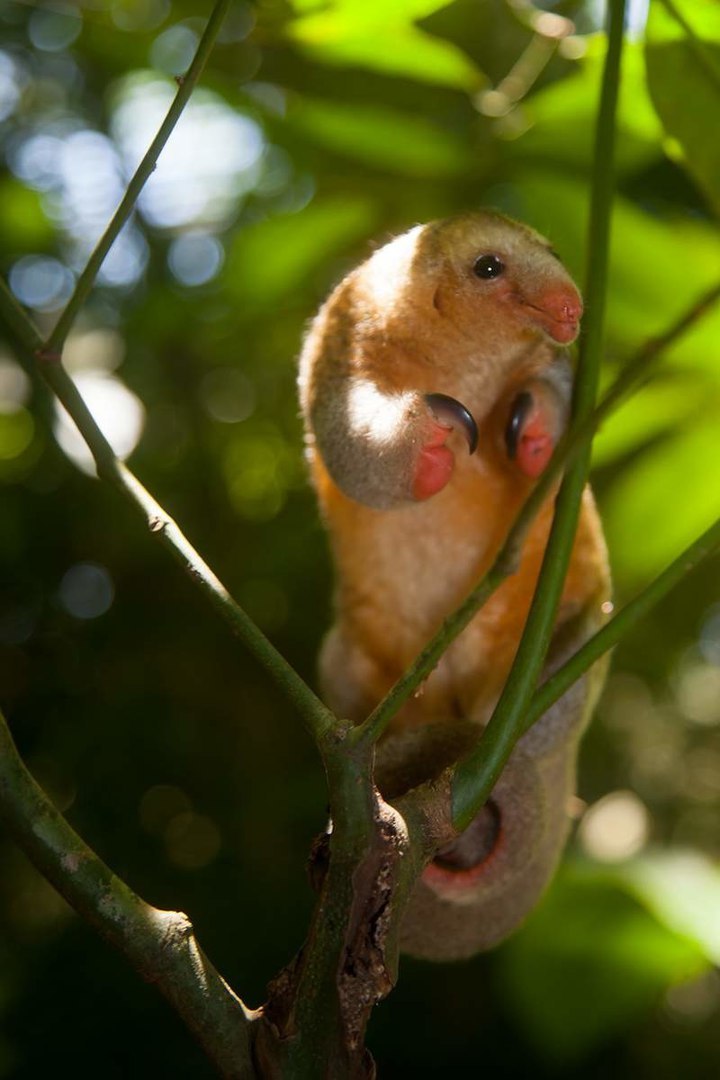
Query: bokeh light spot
(195, 258)
(120, 415)
(14, 386)
(87, 591)
(697, 692)
(710, 636)
(35, 160)
(210, 161)
(694, 1001)
(10, 86)
(191, 841)
(238, 23)
(227, 395)
(53, 28)
(126, 260)
(159, 805)
(258, 472)
(101, 349)
(41, 282)
(134, 15)
(174, 49)
(615, 828)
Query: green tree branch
(160, 945)
(317, 717)
(621, 624)
(634, 371)
(187, 84)
(476, 774)
(372, 848)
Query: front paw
(435, 461)
(537, 419)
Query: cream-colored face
(484, 263)
(492, 277)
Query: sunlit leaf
(371, 11)
(652, 279)
(23, 222)
(383, 37)
(682, 889)
(590, 961)
(382, 137)
(683, 71)
(570, 104)
(405, 51)
(16, 433)
(272, 257)
(667, 497)
(654, 409)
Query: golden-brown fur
(415, 320)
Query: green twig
(477, 773)
(620, 624)
(159, 944)
(633, 371)
(319, 720)
(19, 323)
(142, 173)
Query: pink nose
(562, 304)
(558, 311)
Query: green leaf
(653, 411)
(383, 37)
(271, 258)
(589, 962)
(682, 889)
(23, 222)
(658, 267)
(371, 11)
(569, 105)
(382, 137)
(683, 73)
(16, 433)
(644, 534)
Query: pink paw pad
(433, 469)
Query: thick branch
(319, 1007)
(160, 945)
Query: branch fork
(315, 1020)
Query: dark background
(319, 130)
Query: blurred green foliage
(323, 127)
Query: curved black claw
(448, 410)
(521, 406)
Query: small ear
(536, 420)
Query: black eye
(488, 267)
